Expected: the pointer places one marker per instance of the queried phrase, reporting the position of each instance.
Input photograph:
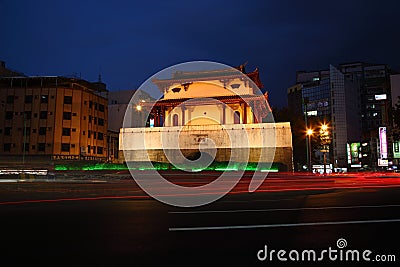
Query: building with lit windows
(375, 93)
(375, 109)
(395, 90)
(328, 97)
(203, 105)
(46, 119)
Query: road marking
(234, 227)
(285, 209)
(256, 200)
(21, 202)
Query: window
(175, 120)
(73, 129)
(101, 107)
(26, 146)
(35, 115)
(88, 149)
(100, 121)
(7, 147)
(9, 115)
(41, 147)
(99, 150)
(7, 131)
(95, 106)
(10, 99)
(67, 99)
(43, 115)
(90, 118)
(90, 104)
(236, 117)
(42, 131)
(65, 147)
(27, 131)
(94, 135)
(67, 116)
(28, 99)
(95, 120)
(66, 131)
(44, 99)
(100, 136)
(89, 133)
(28, 115)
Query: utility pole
(24, 144)
(325, 141)
(306, 125)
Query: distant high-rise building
(375, 96)
(329, 97)
(375, 108)
(357, 99)
(395, 90)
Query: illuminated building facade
(46, 119)
(212, 105)
(328, 97)
(375, 109)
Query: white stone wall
(262, 135)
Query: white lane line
(234, 227)
(285, 209)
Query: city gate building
(220, 105)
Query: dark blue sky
(129, 41)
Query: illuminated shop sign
(382, 143)
(380, 97)
(396, 149)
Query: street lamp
(309, 133)
(325, 141)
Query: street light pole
(325, 141)
(24, 144)
(309, 152)
(306, 125)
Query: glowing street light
(139, 108)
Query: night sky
(129, 41)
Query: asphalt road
(111, 222)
